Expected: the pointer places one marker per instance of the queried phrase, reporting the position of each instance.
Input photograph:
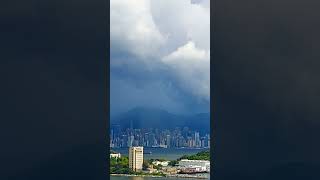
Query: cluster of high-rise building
(153, 137)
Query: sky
(160, 55)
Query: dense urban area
(153, 137)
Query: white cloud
(182, 20)
(132, 29)
(192, 67)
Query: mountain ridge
(142, 117)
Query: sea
(160, 153)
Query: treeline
(121, 166)
(203, 155)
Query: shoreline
(134, 175)
(167, 176)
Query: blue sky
(160, 55)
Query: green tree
(173, 163)
(145, 164)
(120, 165)
(203, 155)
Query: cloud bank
(160, 55)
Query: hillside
(158, 118)
(203, 155)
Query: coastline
(134, 175)
(167, 176)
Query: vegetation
(145, 164)
(173, 163)
(203, 155)
(120, 166)
(161, 160)
(158, 167)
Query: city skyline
(161, 138)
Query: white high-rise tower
(135, 158)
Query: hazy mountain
(142, 117)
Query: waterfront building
(135, 158)
(198, 165)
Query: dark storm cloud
(149, 62)
(266, 79)
(134, 85)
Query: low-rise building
(162, 163)
(194, 165)
(115, 155)
(169, 170)
(151, 170)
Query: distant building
(151, 170)
(197, 139)
(135, 158)
(130, 141)
(158, 138)
(169, 170)
(115, 155)
(162, 163)
(168, 142)
(197, 165)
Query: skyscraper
(130, 140)
(197, 139)
(135, 158)
(168, 142)
(116, 130)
